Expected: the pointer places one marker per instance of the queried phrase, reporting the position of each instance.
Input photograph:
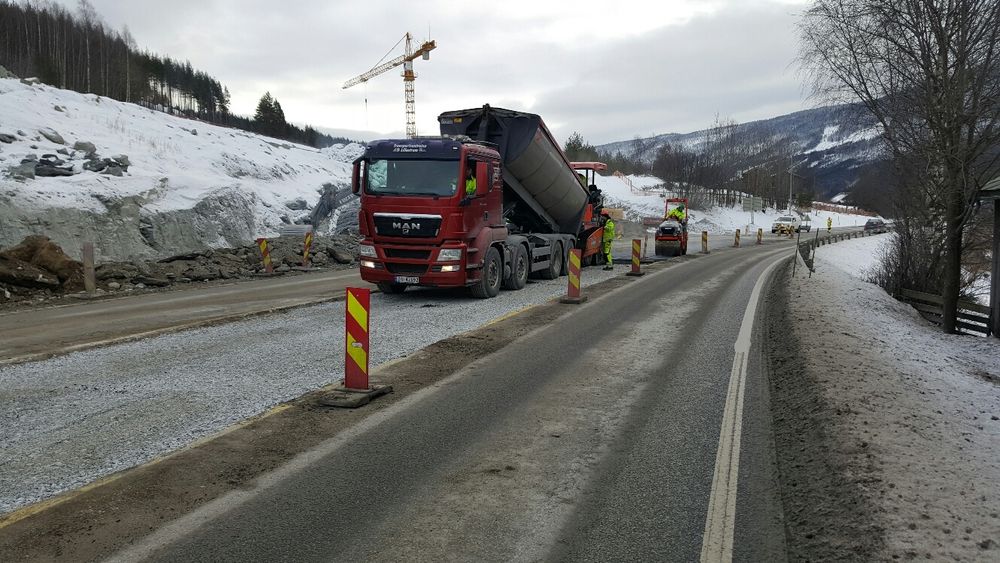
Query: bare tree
(929, 73)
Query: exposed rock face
(38, 267)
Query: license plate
(407, 279)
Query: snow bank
(176, 165)
(914, 414)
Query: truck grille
(407, 253)
(393, 225)
(406, 268)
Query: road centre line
(720, 522)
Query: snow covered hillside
(644, 198)
(831, 143)
(141, 183)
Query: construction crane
(406, 59)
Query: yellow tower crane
(406, 59)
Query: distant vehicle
(785, 224)
(806, 224)
(876, 226)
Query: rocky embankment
(37, 270)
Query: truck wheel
(518, 269)
(555, 263)
(489, 285)
(392, 288)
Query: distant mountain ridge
(830, 143)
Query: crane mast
(408, 74)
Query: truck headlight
(451, 268)
(368, 264)
(449, 255)
(367, 250)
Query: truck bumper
(413, 265)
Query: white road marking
(720, 523)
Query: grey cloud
(673, 78)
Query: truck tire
(391, 288)
(555, 263)
(519, 267)
(489, 284)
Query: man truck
(490, 202)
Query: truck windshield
(413, 177)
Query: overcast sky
(610, 70)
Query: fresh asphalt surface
(592, 439)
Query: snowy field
(923, 406)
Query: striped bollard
(636, 259)
(736, 243)
(89, 279)
(704, 242)
(306, 247)
(266, 253)
(760, 236)
(358, 303)
(573, 296)
(357, 390)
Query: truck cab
(420, 226)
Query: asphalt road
(37, 333)
(595, 438)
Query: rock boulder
(85, 147)
(52, 135)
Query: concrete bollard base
(345, 398)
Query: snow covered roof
(991, 190)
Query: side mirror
(356, 177)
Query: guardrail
(972, 317)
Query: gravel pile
(73, 419)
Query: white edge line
(720, 521)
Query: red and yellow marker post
(306, 247)
(265, 252)
(704, 242)
(736, 243)
(357, 307)
(573, 296)
(636, 259)
(357, 389)
(760, 236)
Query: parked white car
(785, 224)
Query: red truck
(529, 207)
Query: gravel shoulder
(887, 431)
